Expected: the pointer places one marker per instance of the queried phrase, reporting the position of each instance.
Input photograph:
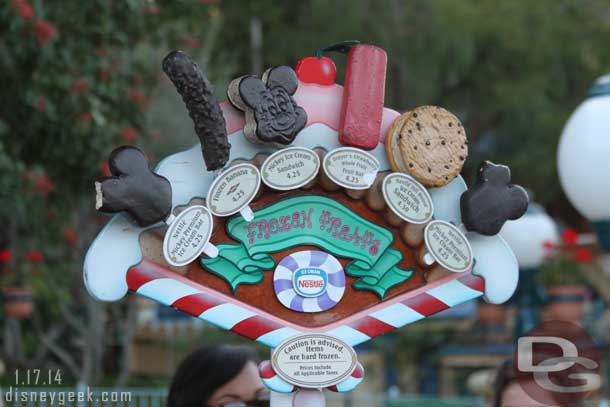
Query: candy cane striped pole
(168, 288)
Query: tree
(513, 71)
(77, 82)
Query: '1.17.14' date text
(37, 377)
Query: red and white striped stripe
(168, 288)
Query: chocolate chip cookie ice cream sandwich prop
(147, 197)
(392, 143)
(428, 143)
(492, 200)
(324, 237)
(272, 115)
(198, 94)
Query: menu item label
(314, 360)
(448, 246)
(407, 198)
(351, 167)
(187, 235)
(290, 168)
(234, 189)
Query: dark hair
(504, 376)
(204, 371)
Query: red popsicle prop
(363, 96)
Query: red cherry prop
(321, 71)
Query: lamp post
(526, 237)
(583, 159)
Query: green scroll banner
(309, 220)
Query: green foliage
(65, 102)
(512, 70)
(77, 82)
(78, 78)
(560, 271)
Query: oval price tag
(188, 235)
(448, 246)
(351, 167)
(290, 168)
(407, 198)
(233, 190)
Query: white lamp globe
(583, 155)
(526, 236)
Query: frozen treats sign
(309, 220)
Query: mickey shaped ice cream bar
(147, 197)
(134, 188)
(272, 115)
(492, 200)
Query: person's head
(216, 376)
(510, 390)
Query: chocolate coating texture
(492, 200)
(134, 188)
(198, 94)
(278, 117)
